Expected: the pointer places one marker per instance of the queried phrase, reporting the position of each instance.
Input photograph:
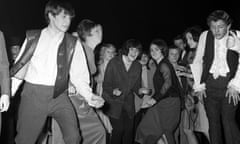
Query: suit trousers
(36, 104)
(122, 132)
(221, 114)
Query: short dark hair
(131, 43)
(173, 47)
(84, 28)
(179, 37)
(56, 6)
(219, 15)
(143, 52)
(161, 44)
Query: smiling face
(156, 52)
(219, 28)
(60, 22)
(133, 54)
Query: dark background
(121, 19)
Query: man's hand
(233, 42)
(232, 95)
(4, 103)
(201, 94)
(96, 101)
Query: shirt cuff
(199, 87)
(90, 101)
(4, 95)
(234, 84)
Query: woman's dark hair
(173, 47)
(161, 44)
(195, 31)
(131, 43)
(145, 52)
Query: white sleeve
(197, 65)
(79, 73)
(235, 82)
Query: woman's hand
(117, 92)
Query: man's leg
(62, 111)
(213, 113)
(32, 114)
(231, 130)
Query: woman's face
(156, 52)
(191, 43)
(109, 53)
(144, 59)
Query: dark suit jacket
(128, 82)
(4, 67)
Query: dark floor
(8, 129)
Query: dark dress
(163, 117)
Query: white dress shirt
(219, 66)
(42, 68)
